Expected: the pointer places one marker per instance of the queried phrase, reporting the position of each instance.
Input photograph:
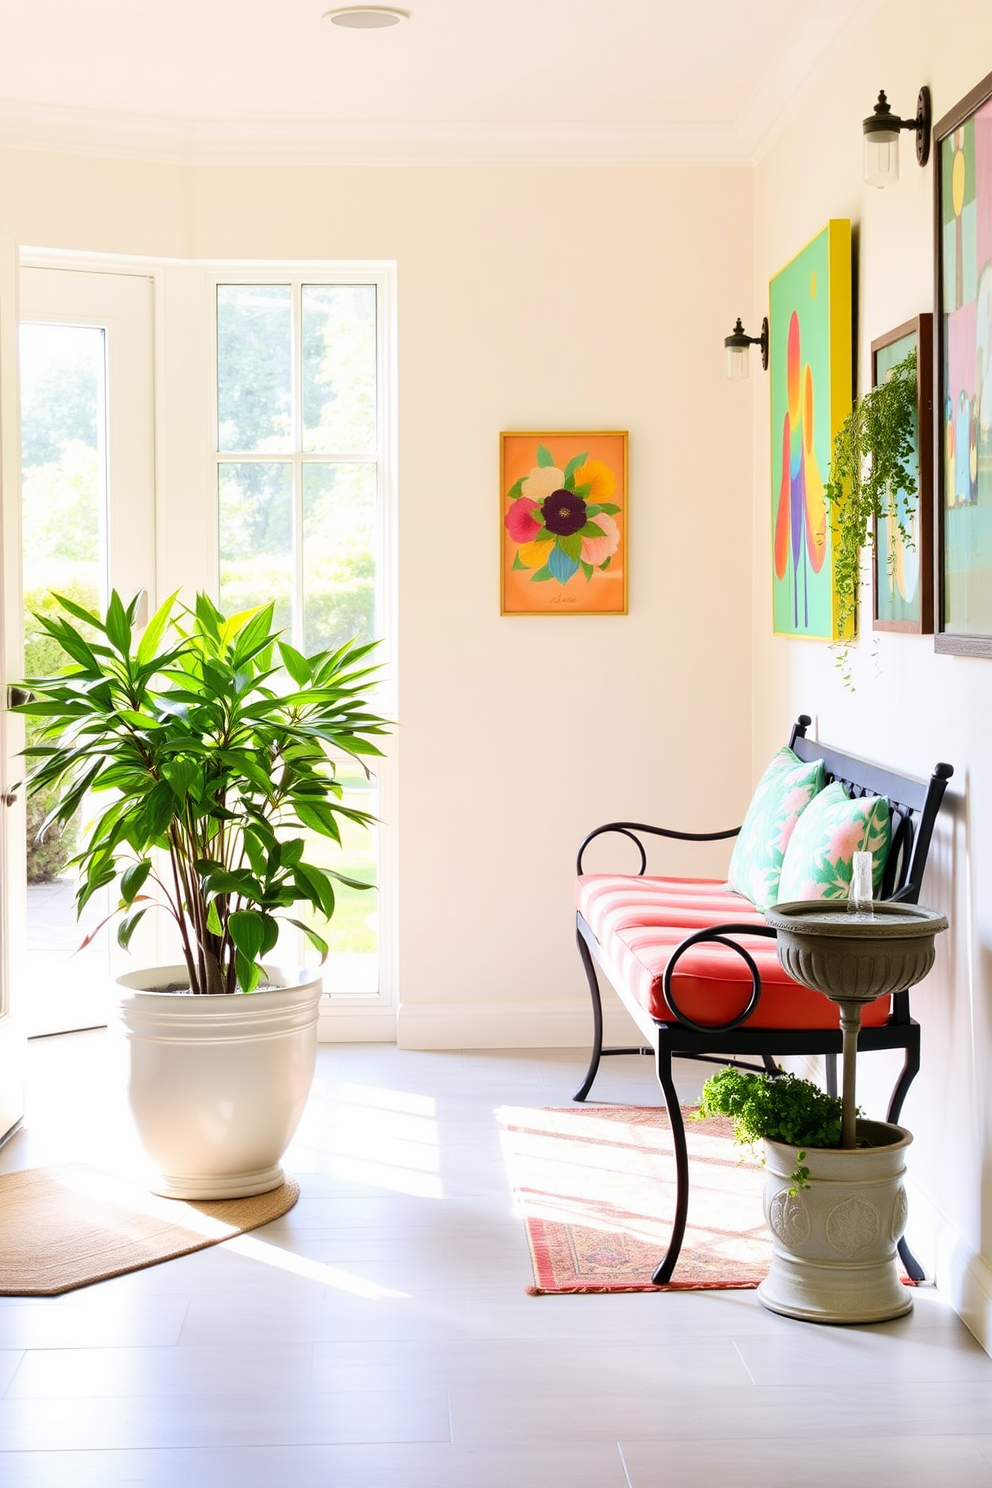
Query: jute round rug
(67, 1226)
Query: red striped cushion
(639, 921)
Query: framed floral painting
(563, 524)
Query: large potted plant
(207, 740)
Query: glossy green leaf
(118, 625)
(248, 974)
(157, 812)
(71, 608)
(313, 884)
(155, 630)
(247, 930)
(296, 664)
(127, 927)
(133, 880)
(317, 941)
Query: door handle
(9, 797)
(17, 696)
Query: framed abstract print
(563, 524)
(963, 378)
(902, 562)
(810, 366)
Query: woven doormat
(596, 1188)
(65, 1227)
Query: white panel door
(88, 525)
(11, 730)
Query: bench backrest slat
(913, 803)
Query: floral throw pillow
(782, 794)
(819, 858)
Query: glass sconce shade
(738, 346)
(881, 159)
(738, 362)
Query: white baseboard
(508, 1025)
(972, 1299)
(350, 1023)
(961, 1273)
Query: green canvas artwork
(810, 366)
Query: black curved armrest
(628, 829)
(720, 934)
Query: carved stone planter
(834, 1244)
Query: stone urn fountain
(834, 1251)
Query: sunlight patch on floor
(330, 1276)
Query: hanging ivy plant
(872, 466)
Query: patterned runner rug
(596, 1188)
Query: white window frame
(187, 537)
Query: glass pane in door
(255, 508)
(339, 368)
(254, 368)
(339, 542)
(352, 935)
(64, 516)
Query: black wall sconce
(882, 139)
(738, 345)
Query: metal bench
(746, 1036)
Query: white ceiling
(541, 80)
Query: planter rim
(903, 1138)
(830, 917)
(217, 1017)
(133, 984)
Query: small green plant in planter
(871, 465)
(784, 1109)
(209, 737)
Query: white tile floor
(379, 1335)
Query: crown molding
(27, 126)
(785, 86)
(776, 97)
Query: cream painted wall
(910, 707)
(574, 297)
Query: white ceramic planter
(218, 1083)
(834, 1249)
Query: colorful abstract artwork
(963, 208)
(903, 564)
(563, 524)
(810, 367)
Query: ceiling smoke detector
(365, 17)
